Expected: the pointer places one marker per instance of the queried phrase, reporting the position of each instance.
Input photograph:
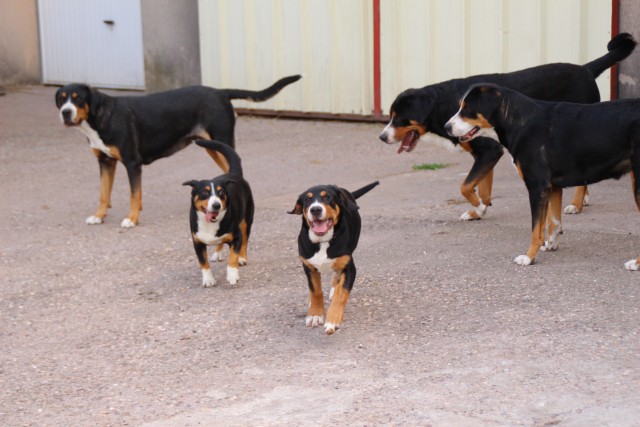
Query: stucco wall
(629, 69)
(171, 44)
(19, 46)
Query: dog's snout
(316, 211)
(383, 137)
(66, 113)
(448, 128)
(216, 206)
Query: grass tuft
(430, 166)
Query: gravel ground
(102, 326)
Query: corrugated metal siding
(251, 43)
(425, 42)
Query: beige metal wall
(251, 43)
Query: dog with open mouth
(421, 113)
(554, 145)
(221, 213)
(328, 237)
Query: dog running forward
(417, 112)
(221, 212)
(328, 237)
(137, 130)
(555, 145)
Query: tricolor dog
(329, 235)
(221, 213)
(137, 130)
(417, 113)
(554, 145)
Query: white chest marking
(94, 138)
(321, 261)
(207, 230)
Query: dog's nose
(66, 114)
(447, 128)
(383, 136)
(316, 211)
(216, 206)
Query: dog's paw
(572, 209)
(476, 213)
(216, 256)
(207, 278)
(242, 261)
(93, 220)
(232, 275)
(585, 201)
(330, 328)
(127, 223)
(549, 246)
(313, 321)
(523, 260)
(632, 265)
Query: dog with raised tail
(328, 237)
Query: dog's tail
(619, 48)
(364, 190)
(235, 164)
(262, 95)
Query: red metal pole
(377, 104)
(615, 30)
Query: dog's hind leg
(315, 315)
(107, 175)
(579, 201)
(634, 264)
(554, 222)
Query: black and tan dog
(416, 113)
(221, 212)
(137, 130)
(328, 237)
(554, 145)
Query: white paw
(232, 275)
(466, 217)
(571, 209)
(585, 201)
(242, 261)
(314, 321)
(127, 223)
(93, 220)
(522, 260)
(216, 256)
(549, 246)
(632, 265)
(330, 328)
(207, 278)
(481, 209)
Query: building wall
(629, 69)
(19, 45)
(171, 44)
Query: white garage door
(94, 42)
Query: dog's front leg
(315, 315)
(135, 206)
(554, 220)
(539, 201)
(107, 175)
(341, 289)
(580, 200)
(486, 154)
(203, 262)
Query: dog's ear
(58, 103)
(192, 183)
(346, 199)
(297, 209)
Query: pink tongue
(408, 142)
(210, 216)
(320, 227)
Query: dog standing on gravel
(417, 112)
(328, 237)
(137, 130)
(554, 145)
(221, 212)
